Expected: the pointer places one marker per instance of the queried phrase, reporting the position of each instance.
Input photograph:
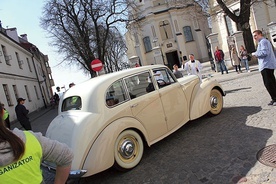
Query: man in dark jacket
(22, 114)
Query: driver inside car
(159, 78)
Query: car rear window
(115, 94)
(71, 103)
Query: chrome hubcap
(127, 149)
(214, 102)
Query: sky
(25, 16)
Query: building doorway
(172, 59)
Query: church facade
(167, 32)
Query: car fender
(101, 154)
(200, 103)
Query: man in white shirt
(193, 67)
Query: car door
(146, 105)
(173, 99)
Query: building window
(147, 44)
(27, 92)
(8, 58)
(15, 91)
(28, 62)
(188, 34)
(37, 96)
(0, 54)
(20, 62)
(7, 94)
(165, 30)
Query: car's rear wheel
(129, 150)
(216, 102)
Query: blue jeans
(245, 62)
(222, 67)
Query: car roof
(96, 87)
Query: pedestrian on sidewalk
(21, 153)
(219, 58)
(267, 64)
(244, 57)
(236, 60)
(22, 114)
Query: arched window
(147, 44)
(188, 33)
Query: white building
(224, 30)
(166, 31)
(24, 72)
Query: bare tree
(242, 19)
(80, 28)
(116, 52)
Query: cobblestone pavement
(211, 150)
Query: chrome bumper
(72, 174)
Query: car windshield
(71, 103)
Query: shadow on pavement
(221, 149)
(236, 90)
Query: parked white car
(109, 119)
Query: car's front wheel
(216, 102)
(129, 150)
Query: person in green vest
(6, 117)
(21, 154)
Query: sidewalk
(208, 72)
(33, 116)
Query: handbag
(248, 57)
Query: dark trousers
(238, 67)
(26, 125)
(269, 82)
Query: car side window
(139, 85)
(163, 77)
(71, 103)
(115, 94)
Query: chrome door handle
(134, 105)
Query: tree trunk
(248, 40)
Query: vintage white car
(109, 119)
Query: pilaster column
(272, 32)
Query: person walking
(193, 67)
(6, 117)
(219, 58)
(236, 60)
(267, 64)
(21, 153)
(244, 57)
(22, 114)
(176, 72)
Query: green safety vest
(26, 170)
(6, 114)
